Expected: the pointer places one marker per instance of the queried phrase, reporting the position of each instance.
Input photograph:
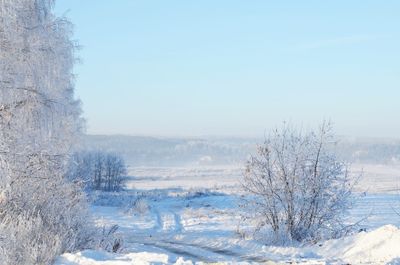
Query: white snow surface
(380, 246)
(89, 257)
(182, 222)
(376, 247)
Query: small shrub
(139, 206)
(109, 240)
(296, 188)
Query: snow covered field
(190, 216)
(375, 178)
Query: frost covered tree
(297, 189)
(115, 171)
(41, 214)
(97, 170)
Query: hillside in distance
(157, 151)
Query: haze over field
(168, 151)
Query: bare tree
(41, 214)
(98, 170)
(115, 172)
(297, 189)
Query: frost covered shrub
(39, 230)
(41, 213)
(109, 240)
(296, 189)
(193, 193)
(139, 206)
(114, 199)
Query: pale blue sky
(229, 67)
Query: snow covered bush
(41, 213)
(98, 170)
(139, 206)
(110, 240)
(296, 189)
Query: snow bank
(379, 246)
(91, 257)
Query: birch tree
(41, 214)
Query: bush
(36, 231)
(110, 240)
(296, 189)
(139, 206)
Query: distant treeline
(151, 151)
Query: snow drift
(380, 246)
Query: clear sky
(230, 67)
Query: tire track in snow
(177, 250)
(202, 253)
(168, 221)
(223, 252)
